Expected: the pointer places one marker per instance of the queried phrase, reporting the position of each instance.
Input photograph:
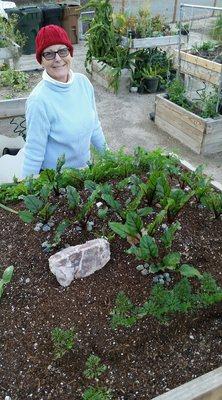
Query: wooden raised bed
(10, 53)
(156, 41)
(203, 136)
(12, 117)
(101, 73)
(206, 387)
(198, 67)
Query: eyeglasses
(51, 55)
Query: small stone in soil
(38, 226)
(46, 228)
(140, 267)
(62, 191)
(51, 224)
(144, 272)
(90, 225)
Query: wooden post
(122, 6)
(175, 10)
(214, 5)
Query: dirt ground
(125, 119)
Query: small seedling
(93, 393)
(63, 341)
(6, 278)
(94, 369)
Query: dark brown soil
(213, 55)
(143, 361)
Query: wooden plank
(149, 42)
(203, 136)
(185, 115)
(202, 62)
(213, 139)
(189, 131)
(12, 108)
(206, 387)
(200, 73)
(155, 41)
(5, 53)
(177, 134)
(206, 70)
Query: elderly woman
(61, 116)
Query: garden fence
(201, 62)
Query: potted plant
(106, 60)
(150, 79)
(183, 29)
(160, 63)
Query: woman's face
(58, 68)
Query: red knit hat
(48, 36)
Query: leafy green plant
(132, 227)
(10, 32)
(213, 201)
(86, 208)
(38, 206)
(177, 93)
(101, 38)
(164, 303)
(197, 181)
(205, 46)
(120, 58)
(54, 178)
(183, 28)
(73, 197)
(208, 104)
(63, 225)
(63, 341)
(6, 278)
(205, 106)
(151, 62)
(216, 31)
(94, 369)
(175, 202)
(148, 251)
(150, 72)
(169, 234)
(94, 393)
(124, 312)
(17, 80)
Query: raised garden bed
(149, 42)
(199, 67)
(206, 387)
(102, 74)
(8, 54)
(201, 135)
(144, 360)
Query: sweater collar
(48, 78)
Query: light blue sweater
(61, 119)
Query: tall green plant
(101, 39)
(10, 32)
(216, 31)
